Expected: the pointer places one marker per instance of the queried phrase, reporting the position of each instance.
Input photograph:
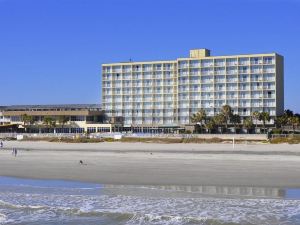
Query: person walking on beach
(14, 152)
(1, 144)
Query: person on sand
(81, 163)
(14, 152)
(1, 144)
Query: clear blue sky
(51, 50)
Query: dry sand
(156, 164)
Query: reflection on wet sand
(238, 191)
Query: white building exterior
(167, 93)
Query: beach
(146, 183)
(263, 165)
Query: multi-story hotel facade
(158, 94)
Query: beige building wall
(81, 118)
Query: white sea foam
(2, 218)
(17, 206)
(150, 210)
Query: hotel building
(79, 118)
(165, 94)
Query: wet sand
(156, 164)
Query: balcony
(219, 64)
(269, 105)
(257, 105)
(256, 62)
(232, 80)
(244, 114)
(269, 61)
(269, 79)
(245, 105)
(207, 89)
(269, 96)
(207, 73)
(207, 81)
(137, 114)
(244, 71)
(220, 72)
(269, 70)
(256, 71)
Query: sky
(51, 51)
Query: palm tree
(199, 117)
(248, 124)
(227, 112)
(26, 119)
(289, 113)
(281, 121)
(264, 116)
(210, 125)
(294, 121)
(49, 122)
(255, 116)
(62, 120)
(219, 120)
(235, 119)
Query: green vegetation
(166, 140)
(289, 140)
(255, 117)
(199, 119)
(226, 118)
(49, 122)
(235, 120)
(27, 121)
(264, 116)
(62, 120)
(226, 115)
(248, 124)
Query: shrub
(289, 140)
(276, 131)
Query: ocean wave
(170, 220)
(59, 187)
(152, 210)
(17, 206)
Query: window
(77, 118)
(77, 130)
(269, 94)
(91, 129)
(15, 118)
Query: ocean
(49, 202)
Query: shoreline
(156, 164)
